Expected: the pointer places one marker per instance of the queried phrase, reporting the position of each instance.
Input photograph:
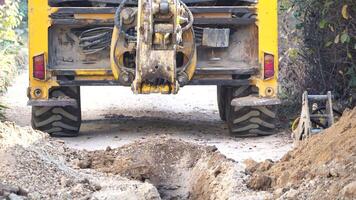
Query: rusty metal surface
(214, 37)
(254, 101)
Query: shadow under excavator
(113, 123)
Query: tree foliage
(329, 34)
(11, 18)
(318, 51)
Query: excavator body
(154, 46)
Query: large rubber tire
(221, 94)
(59, 121)
(243, 121)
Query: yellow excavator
(154, 46)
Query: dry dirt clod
(84, 164)
(259, 182)
(317, 169)
(290, 195)
(251, 165)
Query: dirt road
(147, 128)
(113, 116)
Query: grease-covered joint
(183, 79)
(126, 78)
(128, 16)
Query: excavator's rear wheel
(221, 90)
(59, 121)
(244, 121)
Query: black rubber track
(244, 121)
(59, 121)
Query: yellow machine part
(267, 22)
(39, 22)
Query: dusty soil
(323, 167)
(137, 147)
(178, 169)
(36, 167)
(113, 116)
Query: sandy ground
(113, 116)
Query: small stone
(108, 148)
(280, 191)
(286, 157)
(9, 189)
(283, 178)
(291, 194)
(22, 192)
(212, 148)
(65, 182)
(334, 172)
(84, 164)
(79, 188)
(265, 165)
(323, 171)
(35, 195)
(84, 181)
(251, 165)
(13, 196)
(349, 191)
(259, 182)
(97, 187)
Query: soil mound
(323, 167)
(11, 135)
(34, 167)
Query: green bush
(11, 16)
(317, 48)
(329, 33)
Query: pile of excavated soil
(34, 166)
(323, 167)
(178, 169)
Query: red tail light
(268, 66)
(39, 67)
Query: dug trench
(178, 169)
(35, 166)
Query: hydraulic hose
(117, 19)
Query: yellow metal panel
(92, 72)
(94, 16)
(39, 21)
(267, 22)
